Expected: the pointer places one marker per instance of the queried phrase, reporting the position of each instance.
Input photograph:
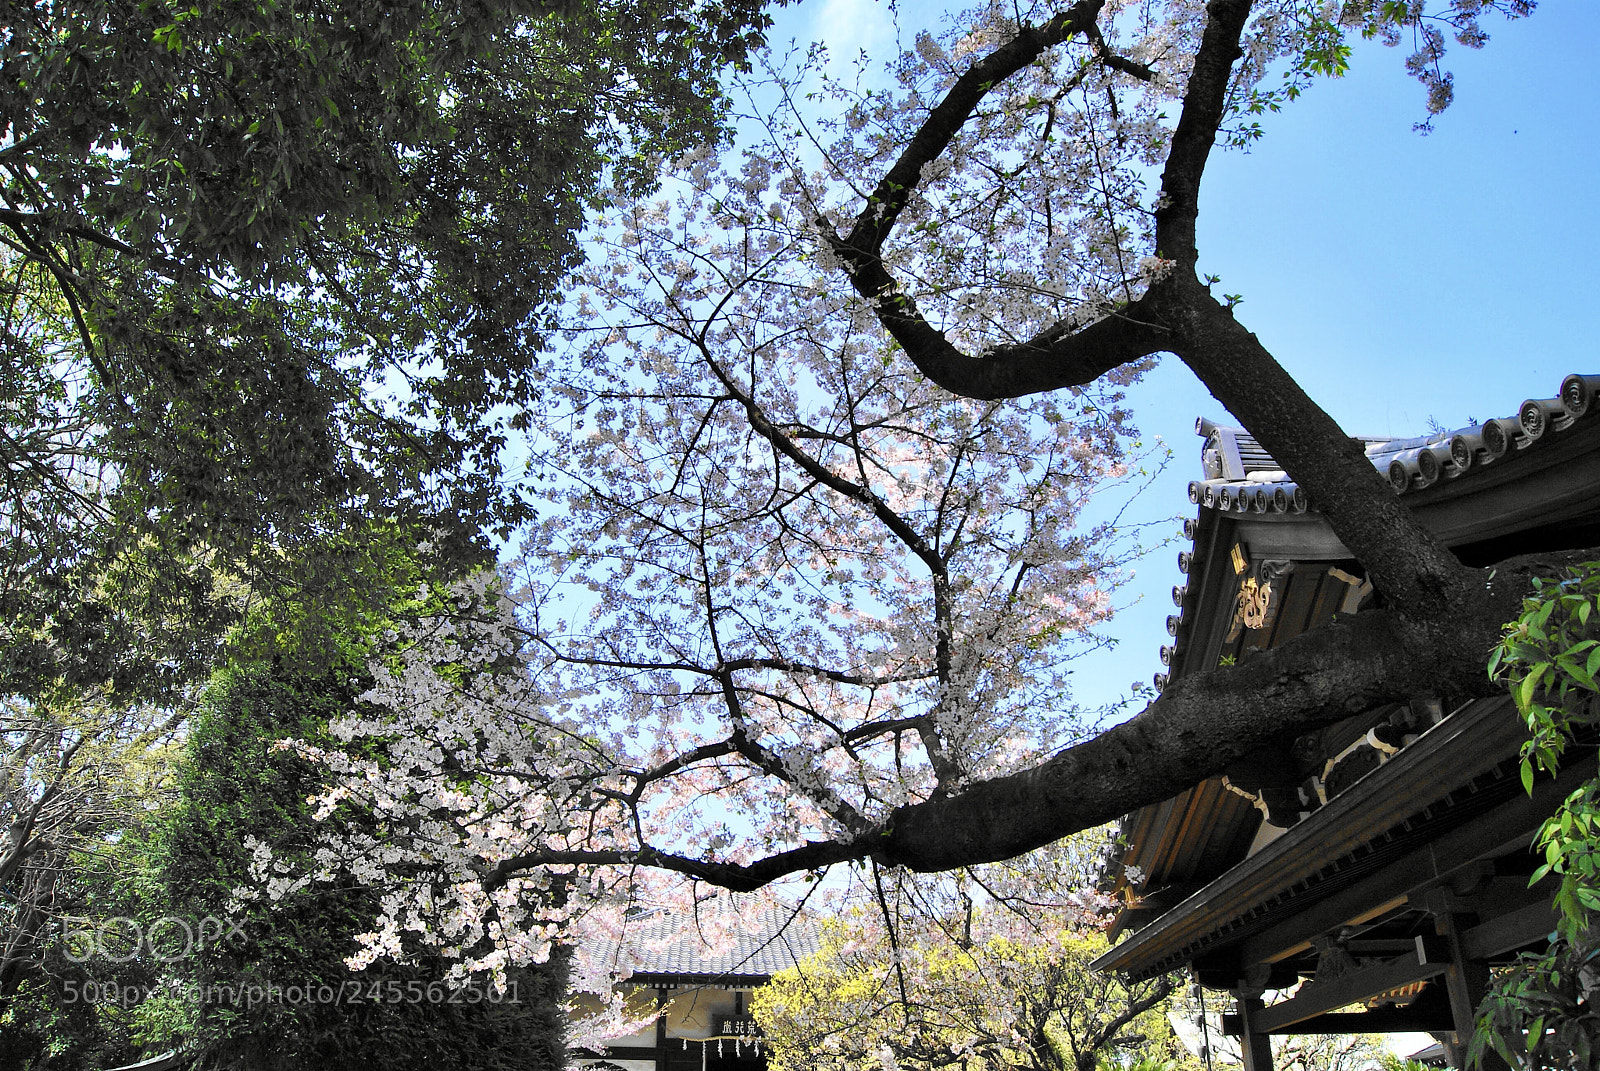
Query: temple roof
(1240, 476)
(1264, 565)
(666, 948)
(1473, 485)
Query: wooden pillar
(662, 1000)
(1256, 1046)
(1466, 981)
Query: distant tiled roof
(1240, 478)
(665, 947)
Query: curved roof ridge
(1234, 466)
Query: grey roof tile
(1238, 476)
(662, 945)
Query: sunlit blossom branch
(1064, 354)
(772, 764)
(1179, 315)
(1067, 353)
(883, 208)
(857, 492)
(846, 740)
(644, 778)
(885, 727)
(814, 855)
(785, 665)
(1198, 726)
(790, 666)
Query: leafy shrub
(1542, 1011)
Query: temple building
(701, 988)
(1365, 877)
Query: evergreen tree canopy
(271, 268)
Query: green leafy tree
(995, 1004)
(75, 773)
(82, 770)
(984, 970)
(118, 952)
(1544, 1012)
(269, 269)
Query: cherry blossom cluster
(1426, 24)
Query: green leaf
(1526, 688)
(1577, 673)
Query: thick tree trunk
(1415, 572)
(1204, 723)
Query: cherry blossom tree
(788, 585)
(807, 578)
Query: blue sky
(1401, 278)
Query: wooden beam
(1466, 745)
(663, 998)
(1369, 899)
(1466, 982)
(1255, 1044)
(1315, 998)
(1506, 828)
(1511, 931)
(1409, 1019)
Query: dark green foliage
(236, 785)
(1541, 1012)
(62, 1015)
(270, 269)
(57, 1008)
